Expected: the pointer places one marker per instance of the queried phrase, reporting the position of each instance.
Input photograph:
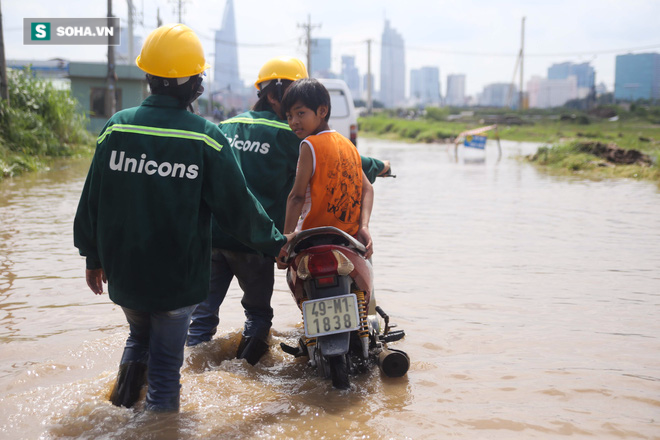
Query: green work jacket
(267, 152)
(144, 216)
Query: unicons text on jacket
(118, 162)
(247, 145)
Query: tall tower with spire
(225, 71)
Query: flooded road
(530, 304)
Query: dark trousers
(255, 275)
(158, 338)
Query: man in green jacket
(267, 151)
(144, 217)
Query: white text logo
(255, 146)
(151, 167)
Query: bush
(437, 113)
(577, 119)
(433, 135)
(410, 131)
(38, 121)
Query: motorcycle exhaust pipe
(393, 363)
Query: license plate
(330, 315)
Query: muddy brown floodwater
(530, 304)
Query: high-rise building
(425, 86)
(392, 68)
(321, 58)
(637, 76)
(585, 74)
(498, 95)
(225, 72)
(549, 93)
(455, 90)
(350, 74)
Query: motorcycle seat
(326, 235)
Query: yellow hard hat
(282, 68)
(172, 51)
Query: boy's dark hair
(310, 92)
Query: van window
(338, 103)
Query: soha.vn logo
(40, 31)
(151, 167)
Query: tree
(4, 91)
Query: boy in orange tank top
(330, 188)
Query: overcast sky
(478, 38)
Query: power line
(595, 52)
(554, 54)
(435, 50)
(253, 45)
(509, 54)
(431, 49)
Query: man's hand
(289, 238)
(95, 279)
(364, 237)
(284, 252)
(387, 170)
(280, 262)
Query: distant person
(144, 218)
(267, 151)
(330, 188)
(218, 115)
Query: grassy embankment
(39, 124)
(565, 138)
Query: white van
(343, 117)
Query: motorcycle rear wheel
(339, 372)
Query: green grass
(410, 130)
(562, 155)
(568, 158)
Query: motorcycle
(332, 284)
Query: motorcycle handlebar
(387, 173)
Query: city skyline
(475, 38)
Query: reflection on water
(530, 304)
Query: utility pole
(369, 84)
(308, 40)
(111, 80)
(522, 58)
(4, 89)
(132, 16)
(179, 8)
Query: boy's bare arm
(367, 204)
(367, 201)
(296, 199)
